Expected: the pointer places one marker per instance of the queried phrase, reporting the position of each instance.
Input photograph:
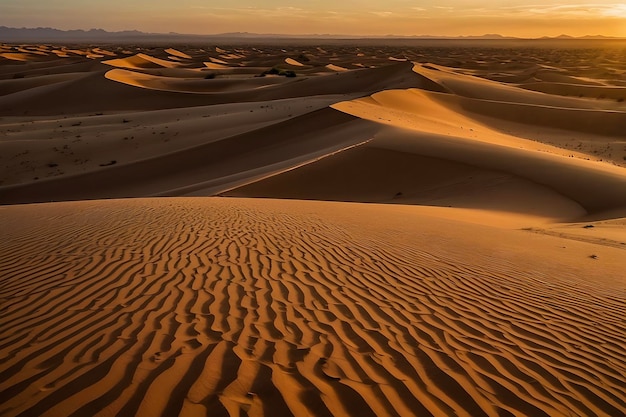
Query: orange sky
(351, 17)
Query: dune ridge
(141, 61)
(177, 53)
(315, 314)
(196, 85)
(447, 134)
(293, 62)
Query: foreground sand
(267, 307)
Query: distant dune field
(312, 231)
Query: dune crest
(218, 61)
(336, 68)
(140, 61)
(213, 65)
(177, 53)
(293, 62)
(16, 56)
(196, 85)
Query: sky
(531, 18)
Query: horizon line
(314, 35)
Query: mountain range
(40, 34)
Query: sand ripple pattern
(230, 308)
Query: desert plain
(314, 229)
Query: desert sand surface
(316, 230)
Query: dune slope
(214, 160)
(429, 151)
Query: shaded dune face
(259, 307)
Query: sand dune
(177, 53)
(434, 154)
(213, 65)
(188, 85)
(101, 51)
(16, 56)
(200, 153)
(470, 261)
(141, 61)
(479, 88)
(336, 68)
(218, 61)
(291, 61)
(61, 54)
(416, 168)
(577, 90)
(554, 75)
(23, 84)
(221, 306)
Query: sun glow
(619, 10)
(351, 17)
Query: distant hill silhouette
(8, 34)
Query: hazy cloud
(614, 10)
(383, 14)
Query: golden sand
(211, 306)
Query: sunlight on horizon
(350, 17)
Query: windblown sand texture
(194, 307)
(465, 256)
